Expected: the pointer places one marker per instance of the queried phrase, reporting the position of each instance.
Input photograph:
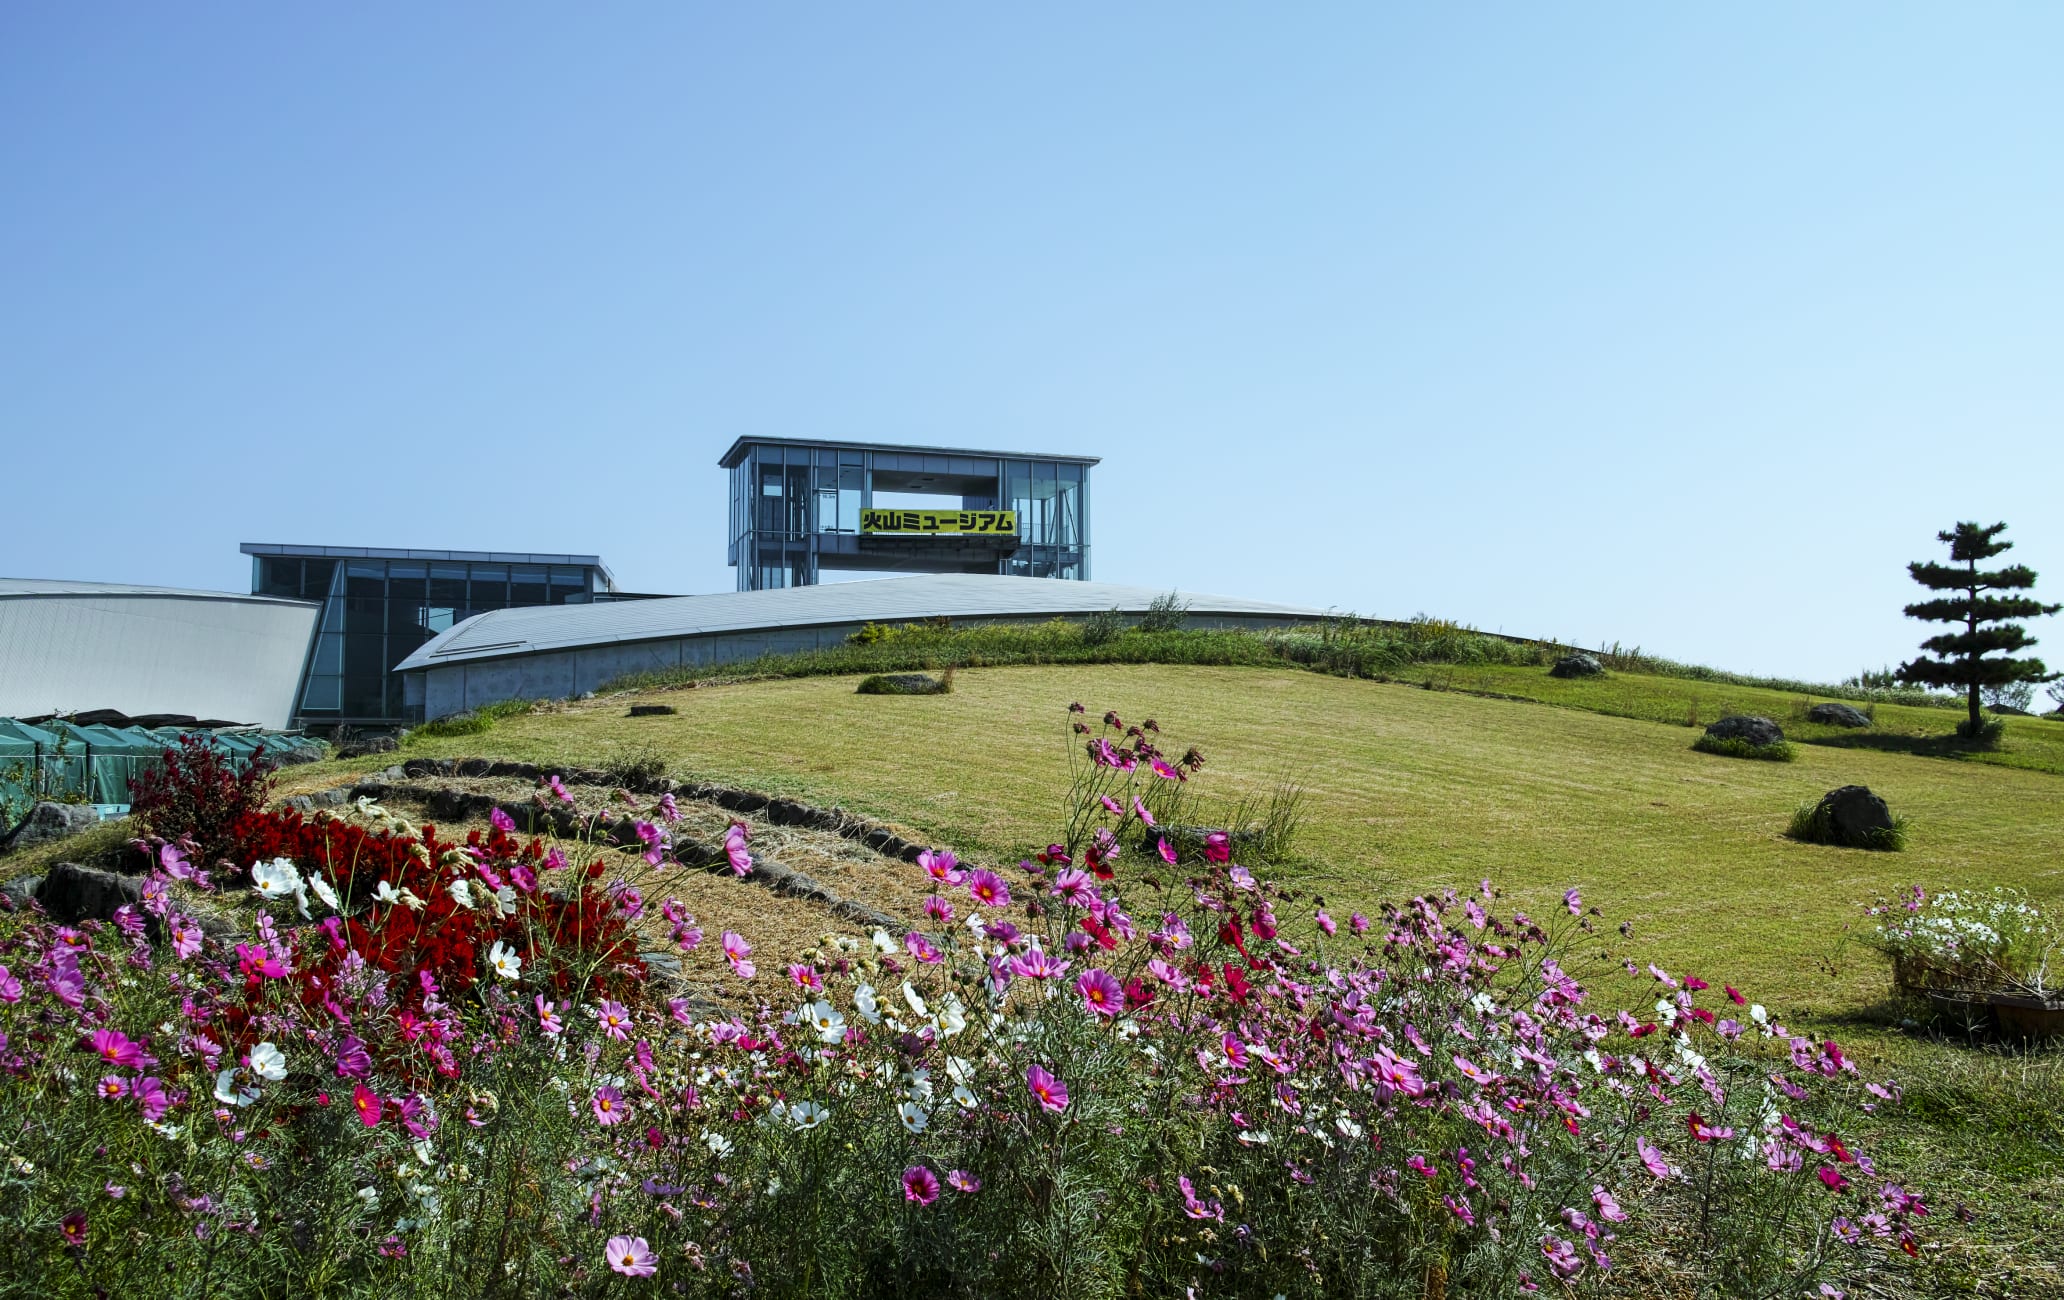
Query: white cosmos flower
(277, 878)
(268, 1062)
(960, 1069)
(505, 900)
(807, 1114)
(1758, 1014)
(826, 1020)
(953, 1019)
(505, 961)
(385, 892)
(964, 1097)
(719, 1145)
(1254, 1137)
(1348, 1128)
(917, 1084)
(409, 899)
(913, 1117)
(230, 1093)
(883, 943)
(1482, 1002)
(864, 1003)
(461, 892)
(323, 891)
(914, 998)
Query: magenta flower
(10, 987)
(922, 948)
(151, 1098)
(367, 1103)
(734, 848)
(1608, 1208)
(668, 811)
(353, 1061)
(73, 1228)
(1573, 902)
(938, 909)
(805, 977)
(113, 1087)
(1051, 1092)
(735, 950)
(960, 1180)
(1112, 806)
(1074, 885)
(1037, 965)
(523, 878)
(1100, 992)
(1326, 923)
(1561, 1256)
(557, 787)
(1139, 810)
(615, 1019)
(989, 889)
(116, 1048)
(1652, 1158)
(1218, 847)
(941, 866)
(502, 821)
(1358, 923)
(548, 1019)
(920, 1185)
(608, 1105)
(1165, 849)
(631, 1257)
(1195, 1207)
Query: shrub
(904, 684)
(1174, 1076)
(1986, 734)
(199, 794)
(1165, 613)
(1101, 626)
(1966, 941)
(1782, 751)
(635, 767)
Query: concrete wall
(213, 658)
(562, 674)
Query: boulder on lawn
(1853, 816)
(1747, 727)
(1837, 715)
(50, 821)
(1577, 665)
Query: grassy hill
(1409, 789)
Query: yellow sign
(939, 521)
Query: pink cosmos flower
(1075, 886)
(1459, 1207)
(1608, 1208)
(1358, 923)
(558, 788)
(502, 821)
(353, 1061)
(940, 865)
(1166, 850)
(1652, 1158)
(989, 889)
(734, 848)
(1112, 806)
(735, 950)
(1561, 1256)
(1139, 810)
(920, 1185)
(115, 1047)
(918, 946)
(73, 1229)
(631, 1257)
(1326, 924)
(1100, 992)
(938, 909)
(367, 1103)
(1418, 1165)
(668, 810)
(615, 1019)
(10, 987)
(960, 1180)
(1195, 1207)
(1705, 1132)
(1165, 772)
(1573, 902)
(1168, 974)
(1037, 965)
(1218, 847)
(805, 977)
(554, 860)
(548, 1019)
(151, 1098)
(1235, 1050)
(113, 1087)
(1051, 1092)
(608, 1105)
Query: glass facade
(376, 610)
(795, 509)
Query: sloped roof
(504, 633)
(67, 587)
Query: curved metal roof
(506, 633)
(67, 587)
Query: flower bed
(1122, 1065)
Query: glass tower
(797, 506)
(380, 604)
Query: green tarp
(95, 763)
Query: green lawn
(1411, 790)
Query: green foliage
(1982, 654)
(635, 767)
(1782, 751)
(477, 722)
(905, 684)
(1165, 613)
(1100, 627)
(1810, 824)
(1983, 732)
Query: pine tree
(1981, 654)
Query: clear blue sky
(1680, 326)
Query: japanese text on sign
(939, 521)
